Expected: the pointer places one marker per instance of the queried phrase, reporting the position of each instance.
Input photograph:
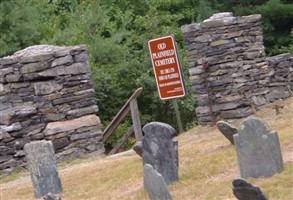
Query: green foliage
(118, 134)
(290, 47)
(205, 10)
(277, 20)
(19, 26)
(279, 16)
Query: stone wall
(281, 79)
(229, 73)
(46, 93)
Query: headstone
(227, 130)
(258, 149)
(243, 190)
(137, 147)
(43, 168)
(51, 196)
(154, 184)
(160, 151)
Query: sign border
(179, 67)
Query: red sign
(167, 68)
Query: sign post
(167, 69)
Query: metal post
(178, 117)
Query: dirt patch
(287, 152)
(230, 174)
(16, 183)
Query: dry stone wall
(281, 79)
(46, 93)
(229, 73)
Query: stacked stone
(228, 69)
(281, 81)
(46, 93)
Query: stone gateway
(229, 72)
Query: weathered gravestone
(258, 149)
(227, 130)
(243, 190)
(43, 168)
(154, 184)
(160, 151)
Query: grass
(207, 167)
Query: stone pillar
(47, 93)
(228, 70)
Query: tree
(19, 26)
(277, 20)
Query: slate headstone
(154, 184)
(258, 149)
(227, 130)
(160, 151)
(43, 168)
(243, 190)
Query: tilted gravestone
(43, 168)
(154, 184)
(160, 151)
(258, 149)
(243, 190)
(137, 147)
(227, 130)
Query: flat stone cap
(43, 49)
(219, 16)
(40, 52)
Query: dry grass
(207, 166)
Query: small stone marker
(42, 167)
(160, 151)
(137, 147)
(154, 184)
(51, 196)
(258, 149)
(243, 190)
(277, 108)
(227, 130)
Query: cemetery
(207, 166)
(241, 149)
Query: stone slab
(63, 126)
(243, 190)
(160, 151)
(43, 168)
(154, 184)
(46, 87)
(258, 149)
(137, 147)
(227, 130)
